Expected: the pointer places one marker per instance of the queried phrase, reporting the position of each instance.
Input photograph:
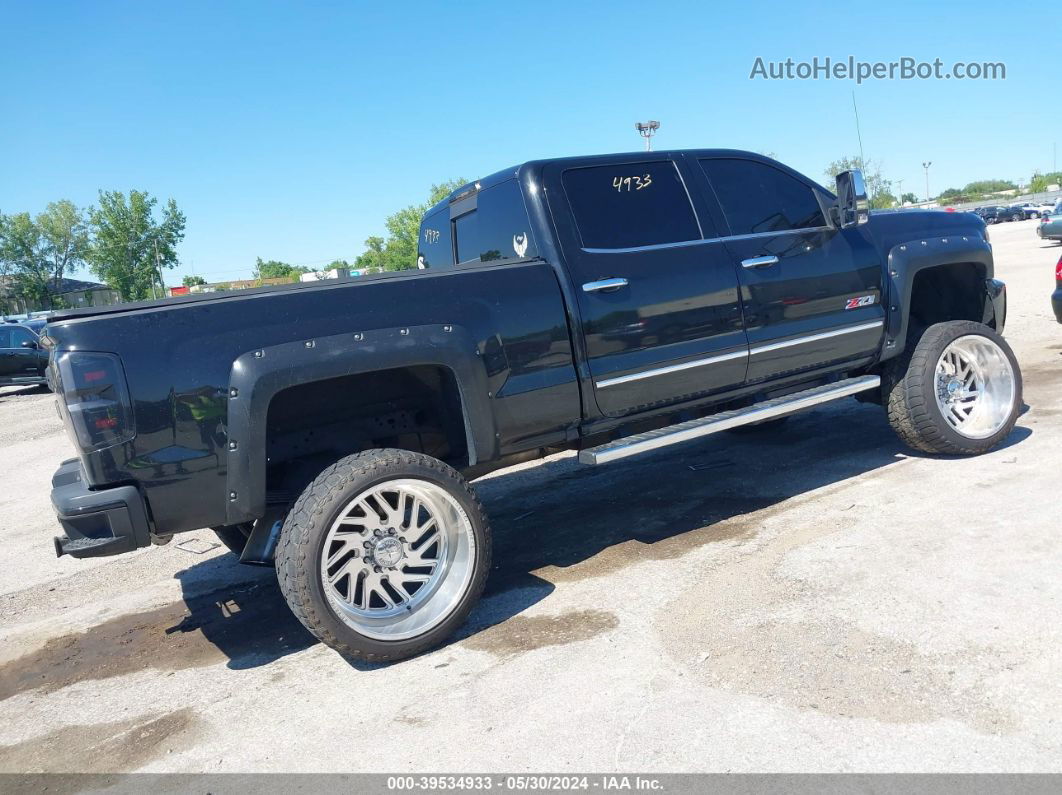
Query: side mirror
(29, 344)
(852, 204)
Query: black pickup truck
(610, 304)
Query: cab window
(497, 229)
(20, 335)
(628, 205)
(758, 198)
(435, 249)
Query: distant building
(77, 294)
(335, 273)
(72, 293)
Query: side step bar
(694, 429)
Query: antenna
(859, 136)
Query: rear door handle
(759, 262)
(604, 284)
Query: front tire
(384, 554)
(957, 393)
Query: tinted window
(497, 229)
(20, 335)
(5, 336)
(630, 204)
(760, 198)
(435, 249)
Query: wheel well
(312, 425)
(949, 292)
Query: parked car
(22, 359)
(1034, 210)
(1050, 227)
(991, 215)
(1013, 212)
(613, 305)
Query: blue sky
(291, 130)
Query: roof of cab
(663, 154)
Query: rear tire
(384, 554)
(957, 392)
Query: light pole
(647, 130)
(900, 190)
(926, 164)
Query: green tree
(274, 269)
(28, 270)
(908, 198)
(64, 238)
(130, 247)
(36, 253)
(193, 281)
(884, 200)
(981, 187)
(1039, 182)
(373, 258)
(879, 189)
(399, 250)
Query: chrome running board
(694, 429)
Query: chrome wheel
(398, 559)
(975, 386)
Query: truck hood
(892, 227)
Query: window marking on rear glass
(431, 235)
(623, 184)
(520, 244)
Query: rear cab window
(630, 205)
(435, 247)
(758, 198)
(493, 226)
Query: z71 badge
(863, 300)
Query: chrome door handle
(604, 284)
(759, 262)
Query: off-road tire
(908, 383)
(306, 527)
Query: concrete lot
(818, 600)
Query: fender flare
(905, 260)
(258, 375)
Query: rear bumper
(97, 523)
(1056, 303)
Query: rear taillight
(1058, 271)
(94, 394)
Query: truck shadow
(562, 522)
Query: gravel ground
(819, 599)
